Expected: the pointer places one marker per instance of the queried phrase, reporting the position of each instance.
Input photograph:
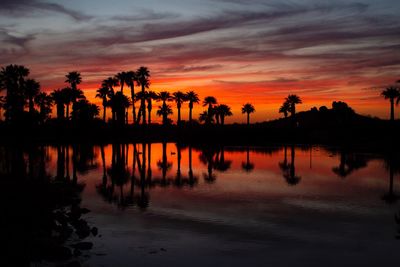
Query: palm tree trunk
(133, 103)
(149, 116)
(222, 120)
(392, 109)
(190, 114)
(143, 106)
(104, 113)
(248, 118)
(179, 116)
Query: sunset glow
(233, 50)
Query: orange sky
(236, 51)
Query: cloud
(24, 8)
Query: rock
(83, 245)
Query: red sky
(238, 51)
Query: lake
(177, 205)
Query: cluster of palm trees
(23, 92)
(393, 94)
(289, 105)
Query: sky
(236, 50)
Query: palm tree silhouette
(68, 99)
(45, 102)
(123, 79)
(150, 96)
(164, 111)
(192, 98)
(73, 78)
(119, 103)
(293, 100)
(110, 82)
(290, 176)
(130, 79)
(221, 111)
(12, 78)
(102, 93)
(390, 197)
(206, 118)
(2, 102)
(143, 75)
(32, 89)
(285, 108)
(179, 98)
(247, 166)
(391, 93)
(209, 101)
(58, 97)
(248, 108)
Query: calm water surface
(162, 204)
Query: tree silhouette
(44, 102)
(192, 98)
(68, 98)
(285, 109)
(290, 175)
(221, 111)
(2, 103)
(73, 78)
(102, 93)
(143, 75)
(391, 93)
(247, 166)
(293, 100)
(247, 109)
(130, 80)
(150, 96)
(110, 82)
(12, 79)
(32, 89)
(119, 103)
(58, 98)
(164, 111)
(179, 98)
(84, 111)
(123, 79)
(206, 118)
(209, 101)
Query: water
(163, 204)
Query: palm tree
(164, 111)
(58, 98)
(130, 81)
(206, 118)
(45, 102)
(391, 93)
(293, 100)
(290, 176)
(221, 111)
(209, 101)
(119, 103)
(68, 98)
(2, 102)
(193, 98)
(248, 108)
(73, 78)
(102, 93)
(150, 96)
(122, 78)
(143, 75)
(12, 79)
(110, 82)
(179, 98)
(247, 166)
(32, 88)
(285, 108)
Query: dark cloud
(25, 7)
